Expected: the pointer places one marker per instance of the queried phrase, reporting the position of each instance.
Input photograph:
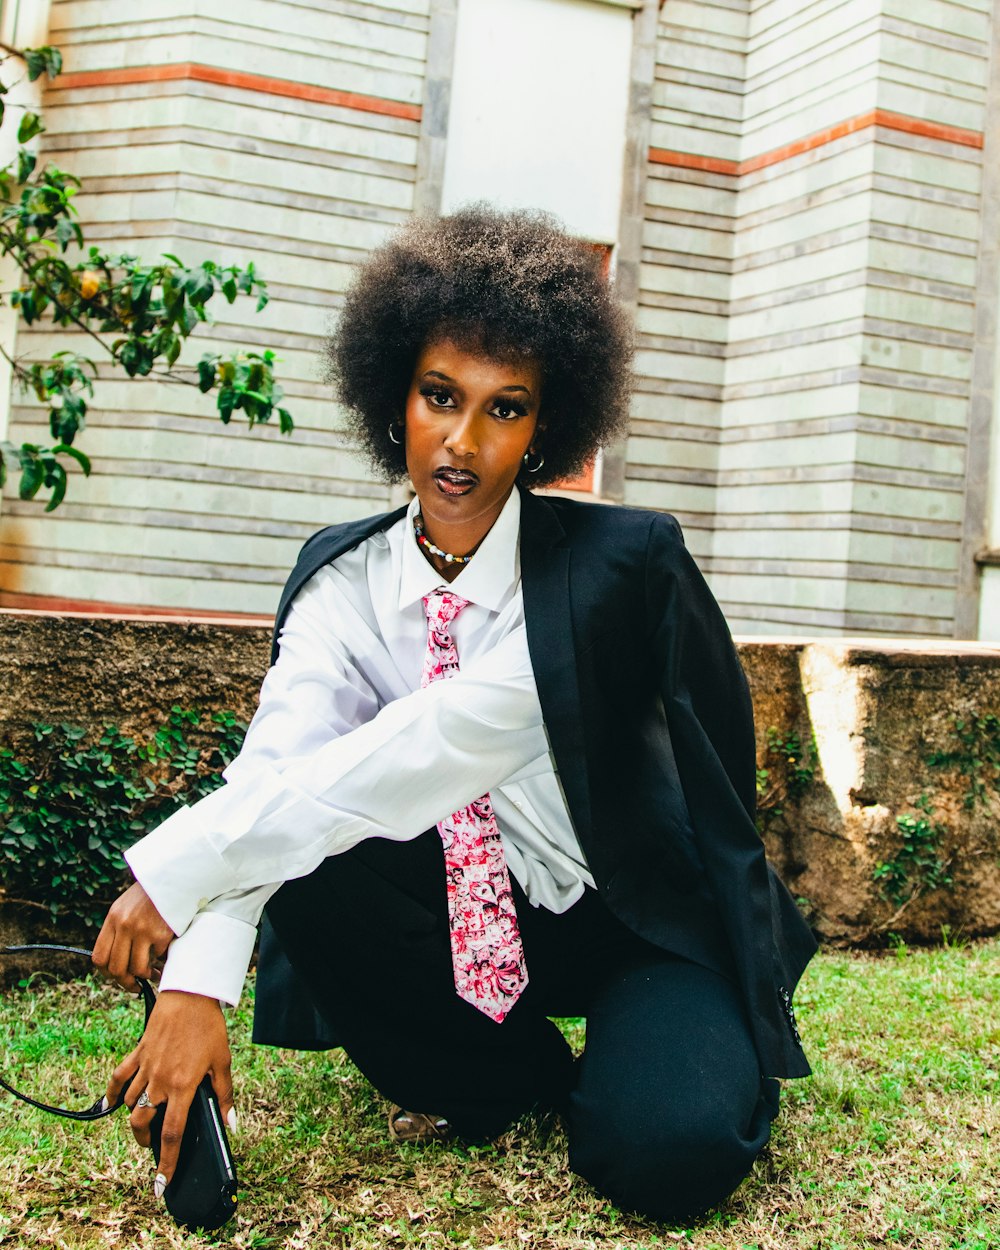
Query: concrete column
(977, 605)
(437, 104)
(611, 482)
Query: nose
(461, 439)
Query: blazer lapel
(326, 545)
(545, 585)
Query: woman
(502, 770)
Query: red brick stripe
(236, 78)
(57, 605)
(864, 121)
(688, 160)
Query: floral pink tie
(486, 950)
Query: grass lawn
(893, 1142)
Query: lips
(455, 481)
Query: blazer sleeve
(710, 721)
(705, 690)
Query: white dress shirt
(345, 745)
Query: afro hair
(509, 285)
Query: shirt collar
(487, 579)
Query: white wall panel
(538, 109)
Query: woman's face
(469, 422)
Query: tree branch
(166, 374)
(24, 902)
(18, 369)
(169, 375)
(52, 299)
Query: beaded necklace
(425, 542)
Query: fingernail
(159, 1185)
(231, 1119)
(104, 1103)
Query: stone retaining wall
(875, 712)
(878, 713)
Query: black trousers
(665, 1112)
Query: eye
(508, 410)
(437, 397)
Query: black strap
(95, 1112)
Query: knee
(663, 1171)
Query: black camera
(202, 1190)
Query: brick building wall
(811, 256)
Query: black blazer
(651, 726)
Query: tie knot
(441, 608)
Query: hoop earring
(541, 460)
(392, 439)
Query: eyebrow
(436, 373)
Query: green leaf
(44, 60)
(142, 285)
(286, 424)
(206, 373)
(262, 302)
(32, 476)
(35, 62)
(67, 230)
(174, 260)
(25, 301)
(128, 356)
(189, 319)
(173, 296)
(56, 478)
(31, 125)
(199, 287)
(144, 357)
(62, 449)
(26, 162)
(74, 412)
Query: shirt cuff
(211, 958)
(179, 896)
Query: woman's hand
(185, 1038)
(132, 936)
